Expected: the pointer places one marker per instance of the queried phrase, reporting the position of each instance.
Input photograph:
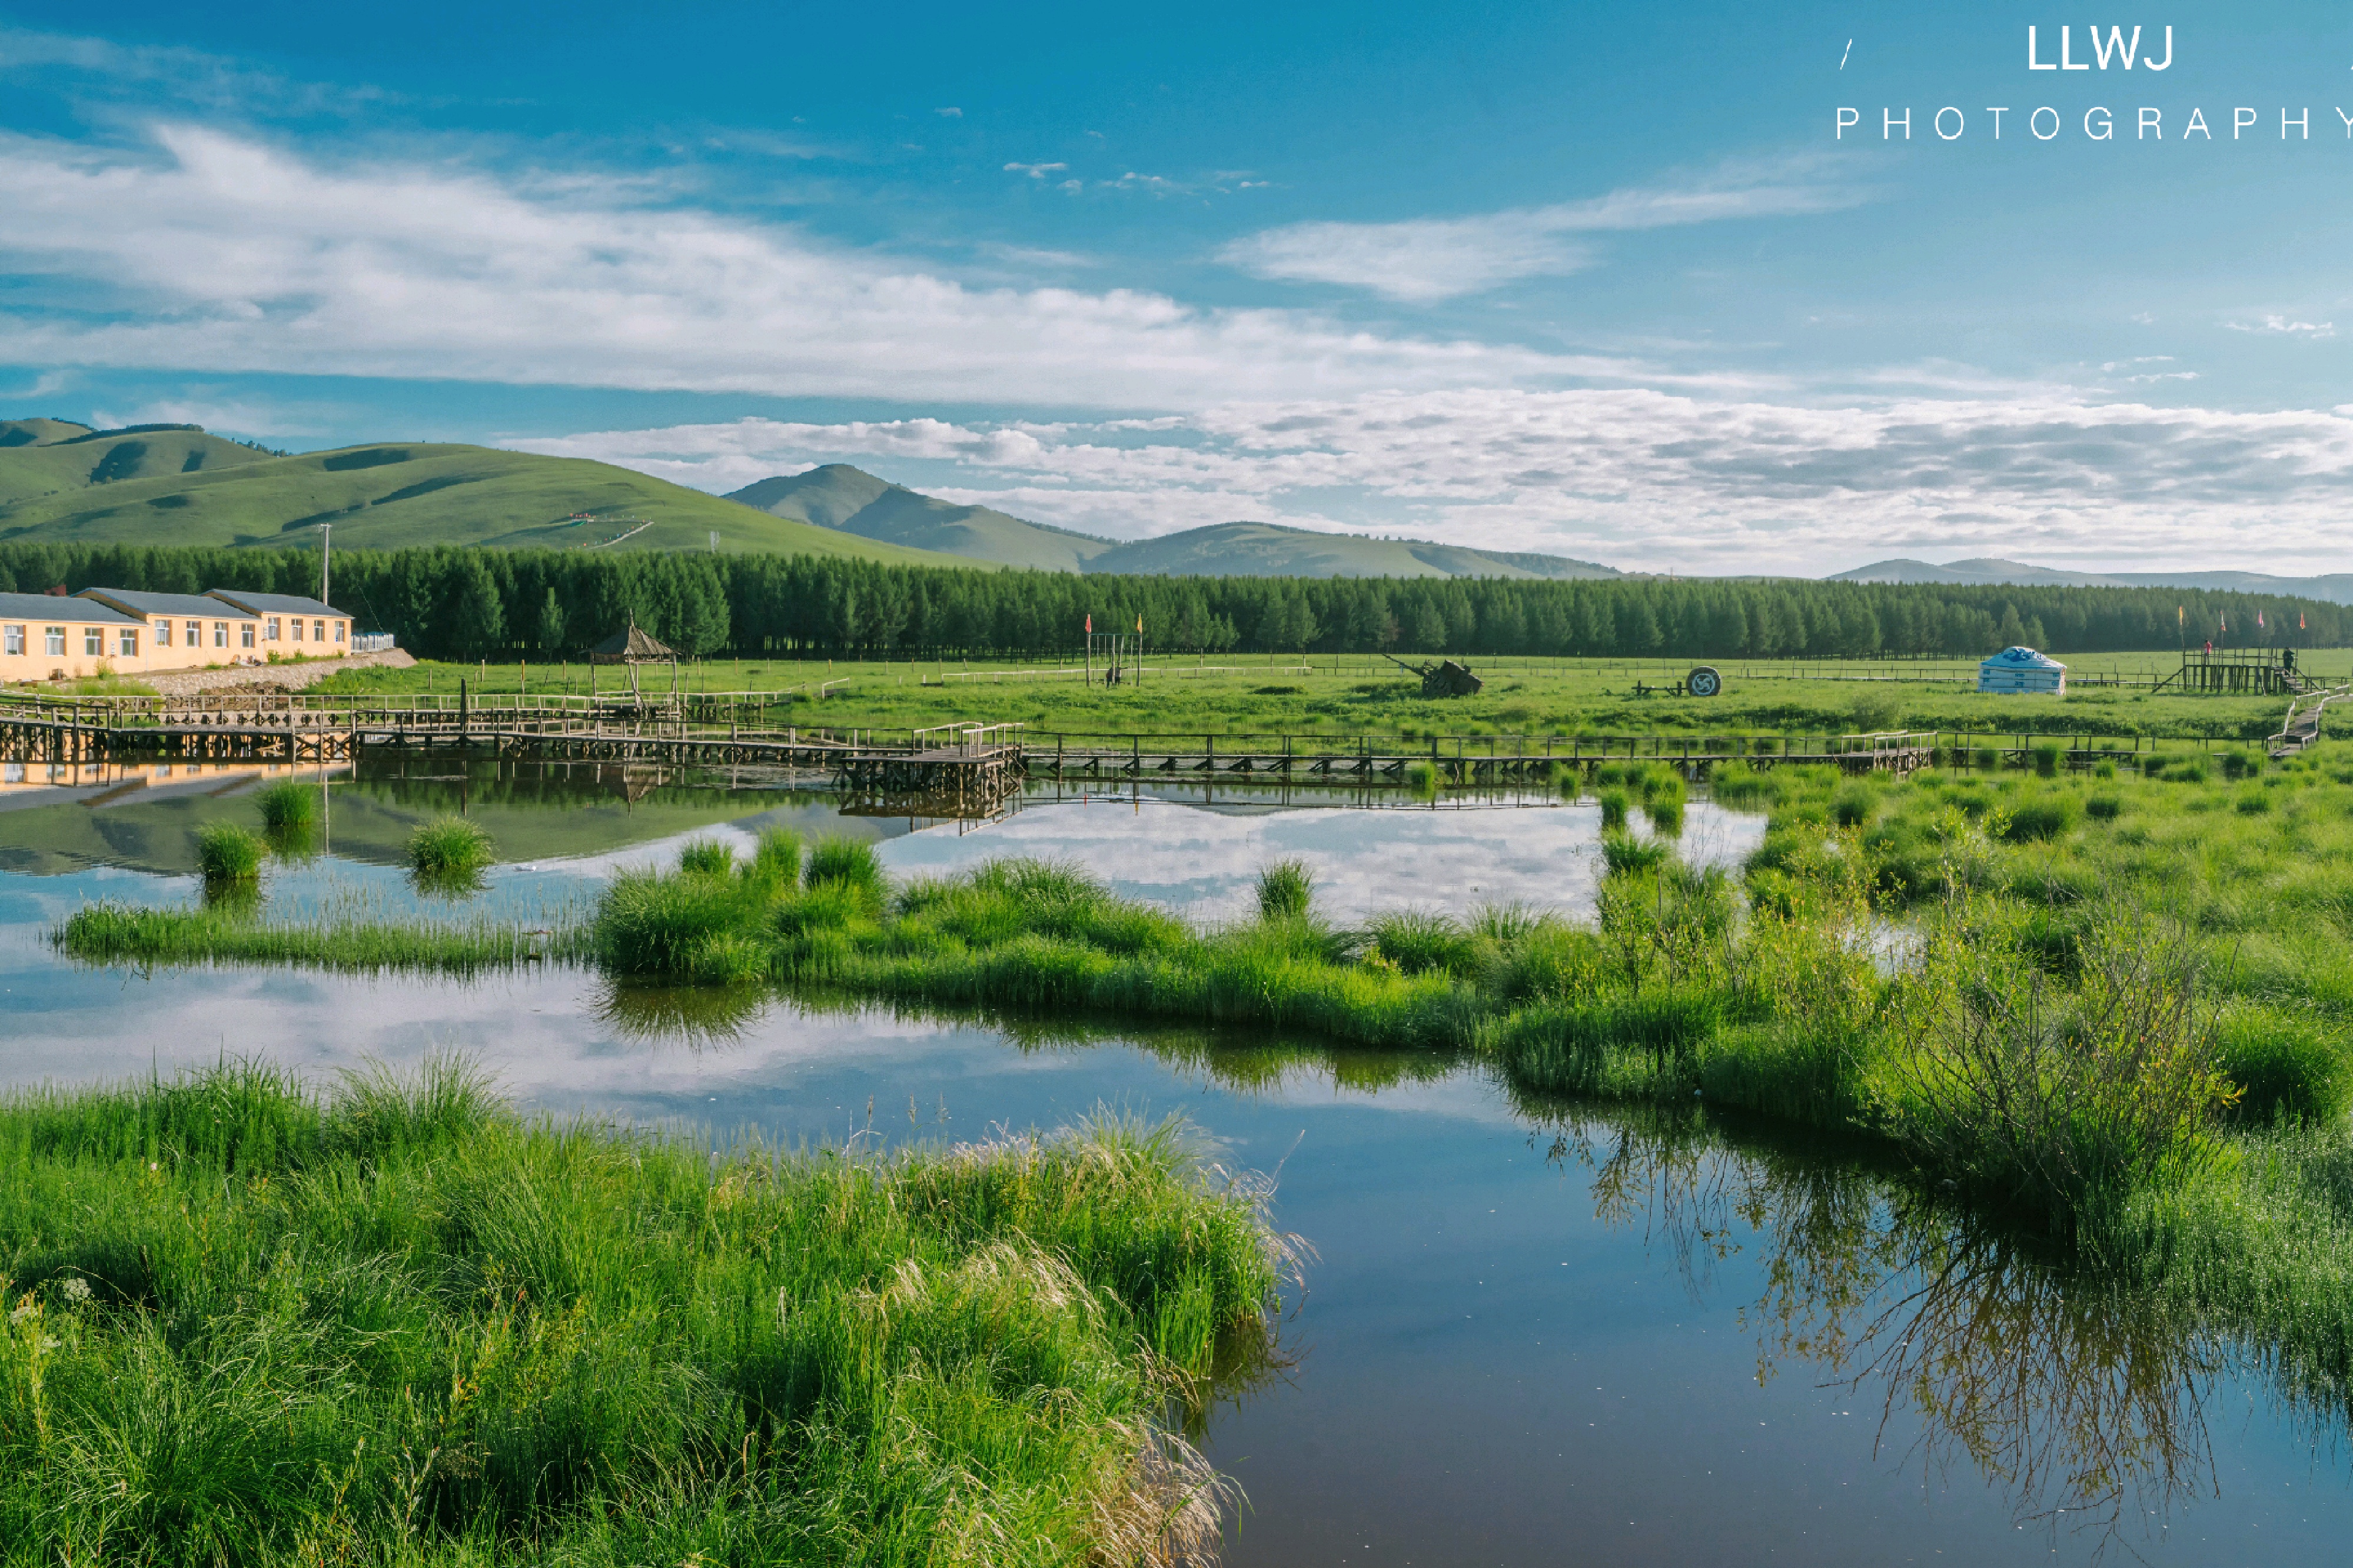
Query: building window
(127, 645)
(54, 640)
(272, 636)
(245, 631)
(12, 640)
(318, 631)
(162, 634)
(195, 634)
(298, 629)
(93, 642)
(339, 629)
(220, 634)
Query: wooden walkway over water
(966, 767)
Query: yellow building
(45, 636)
(185, 631)
(292, 624)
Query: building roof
(139, 604)
(631, 647)
(55, 607)
(2020, 658)
(275, 603)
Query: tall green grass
(450, 846)
(397, 1323)
(287, 804)
(227, 854)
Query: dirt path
(268, 677)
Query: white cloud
(1035, 170)
(1635, 476)
(1435, 258)
(2284, 326)
(214, 252)
(949, 113)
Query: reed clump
(228, 855)
(287, 804)
(251, 1323)
(450, 846)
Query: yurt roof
(631, 647)
(2020, 658)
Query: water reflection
(2083, 1403)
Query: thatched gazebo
(632, 648)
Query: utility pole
(324, 542)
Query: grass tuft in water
(450, 846)
(1285, 889)
(228, 855)
(288, 804)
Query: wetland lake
(1531, 1330)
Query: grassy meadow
(396, 1323)
(1358, 694)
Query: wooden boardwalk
(967, 767)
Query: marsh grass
(228, 855)
(1285, 889)
(287, 804)
(1614, 802)
(1423, 779)
(399, 1323)
(449, 849)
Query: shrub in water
(227, 854)
(1422, 777)
(847, 861)
(1737, 784)
(1987, 757)
(1613, 803)
(2105, 770)
(1285, 889)
(2046, 756)
(448, 846)
(287, 804)
(1666, 814)
(2241, 764)
(707, 857)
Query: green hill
(838, 496)
(2335, 587)
(41, 458)
(183, 487)
(1270, 550)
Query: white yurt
(2021, 669)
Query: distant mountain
(1271, 550)
(851, 500)
(177, 485)
(2334, 588)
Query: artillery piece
(1446, 679)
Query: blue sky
(1563, 277)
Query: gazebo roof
(631, 647)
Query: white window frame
(164, 632)
(273, 630)
(93, 642)
(318, 631)
(195, 634)
(54, 640)
(126, 643)
(13, 641)
(246, 629)
(340, 626)
(220, 634)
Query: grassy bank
(398, 1324)
(225, 932)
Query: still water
(1533, 1333)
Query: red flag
(2299, 620)
(1090, 624)
(2259, 620)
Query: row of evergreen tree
(487, 604)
